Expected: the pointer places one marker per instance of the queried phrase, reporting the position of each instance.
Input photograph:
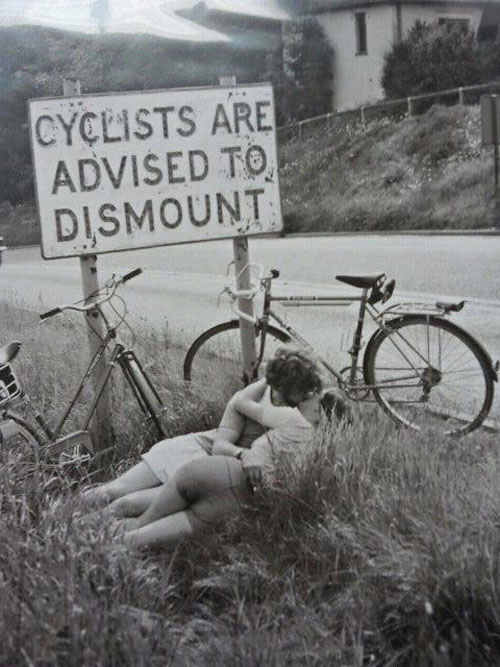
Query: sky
(154, 17)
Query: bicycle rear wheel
(430, 375)
(213, 363)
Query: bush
(432, 58)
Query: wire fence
(404, 107)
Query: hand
(253, 476)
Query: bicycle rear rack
(415, 308)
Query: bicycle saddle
(8, 352)
(364, 282)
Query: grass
(381, 548)
(427, 172)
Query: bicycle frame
(335, 301)
(135, 375)
(301, 301)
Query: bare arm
(233, 420)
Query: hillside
(428, 172)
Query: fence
(407, 106)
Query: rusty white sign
(135, 170)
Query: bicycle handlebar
(258, 283)
(129, 276)
(50, 313)
(111, 286)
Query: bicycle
(47, 441)
(423, 370)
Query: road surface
(180, 284)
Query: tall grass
(381, 548)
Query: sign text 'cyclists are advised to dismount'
(134, 170)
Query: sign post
(241, 258)
(90, 284)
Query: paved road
(180, 284)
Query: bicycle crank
(355, 390)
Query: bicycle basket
(9, 386)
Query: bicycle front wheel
(213, 363)
(430, 375)
(144, 391)
(20, 449)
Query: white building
(362, 31)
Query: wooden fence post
(410, 107)
(461, 95)
(88, 268)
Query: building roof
(268, 10)
(151, 17)
(322, 6)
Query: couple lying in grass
(188, 484)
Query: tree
(308, 70)
(431, 58)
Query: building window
(455, 24)
(361, 43)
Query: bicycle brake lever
(225, 290)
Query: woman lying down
(210, 490)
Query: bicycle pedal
(70, 441)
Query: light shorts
(167, 456)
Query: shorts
(215, 488)
(167, 456)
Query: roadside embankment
(425, 173)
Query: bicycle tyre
(21, 449)
(221, 345)
(149, 401)
(451, 395)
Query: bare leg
(204, 515)
(164, 531)
(200, 495)
(133, 504)
(138, 478)
(167, 501)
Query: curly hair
(293, 370)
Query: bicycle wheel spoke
(214, 364)
(453, 389)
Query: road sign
(135, 170)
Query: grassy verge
(383, 549)
(428, 172)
